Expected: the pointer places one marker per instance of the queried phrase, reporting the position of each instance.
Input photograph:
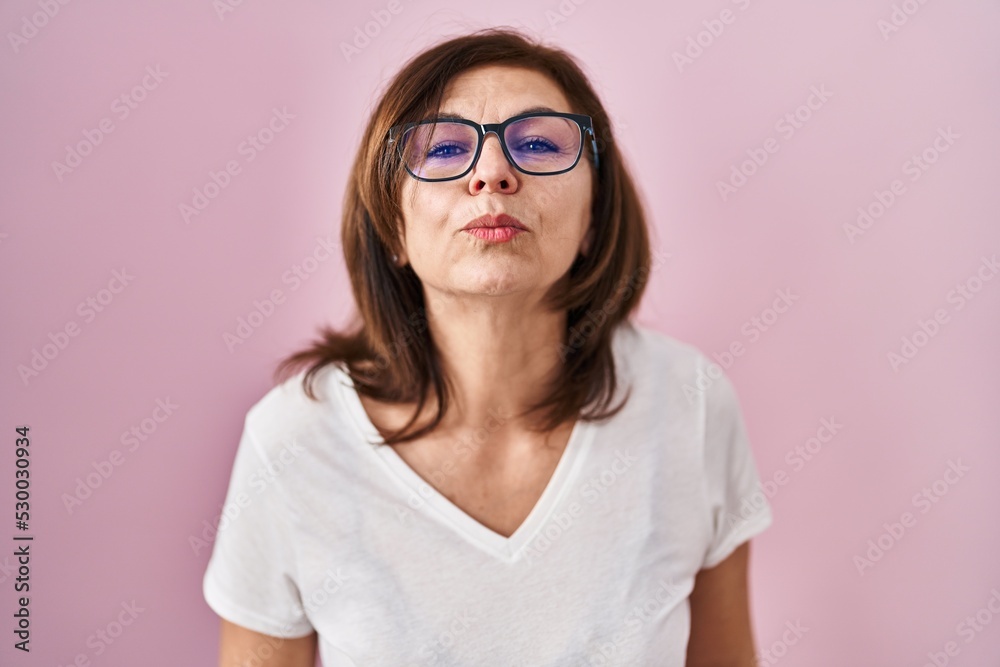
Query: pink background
(682, 130)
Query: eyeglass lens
(444, 149)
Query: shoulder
(674, 371)
(286, 417)
(648, 351)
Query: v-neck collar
(507, 549)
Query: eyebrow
(455, 116)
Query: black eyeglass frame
(585, 123)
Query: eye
(537, 145)
(446, 150)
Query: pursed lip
(495, 220)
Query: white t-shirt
(324, 531)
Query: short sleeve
(739, 508)
(251, 575)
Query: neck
(498, 353)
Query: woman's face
(555, 209)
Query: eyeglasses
(539, 143)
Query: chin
(496, 288)
(495, 283)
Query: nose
(492, 171)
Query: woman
(495, 467)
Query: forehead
(492, 93)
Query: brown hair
(389, 353)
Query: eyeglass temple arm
(593, 143)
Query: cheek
(574, 204)
(414, 213)
(427, 224)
